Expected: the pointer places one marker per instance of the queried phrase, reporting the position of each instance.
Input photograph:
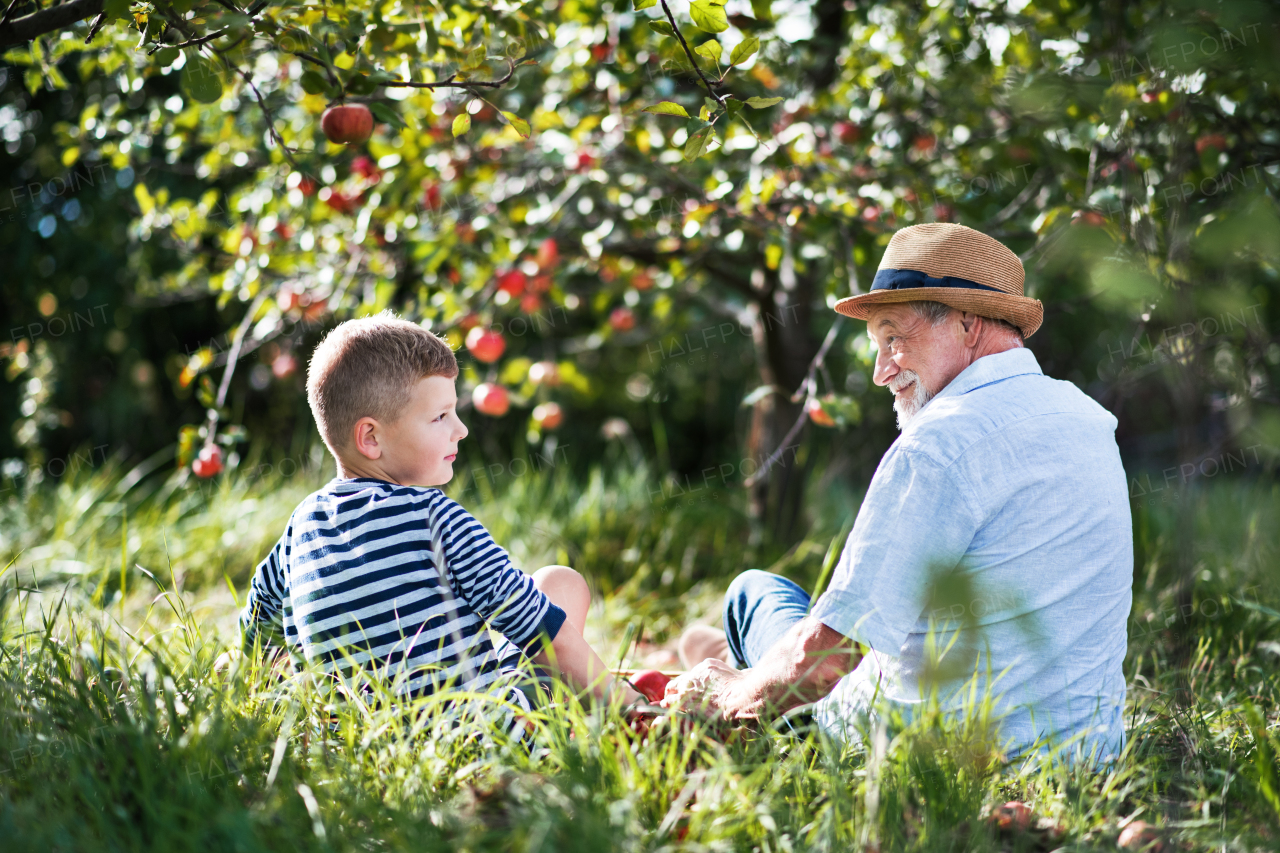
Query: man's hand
(700, 690)
(802, 667)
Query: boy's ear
(365, 434)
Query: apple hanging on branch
(490, 399)
(548, 415)
(208, 463)
(485, 345)
(348, 124)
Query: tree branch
(447, 83)
(13, 4)
(689, 53)
(807, 389)
(48, 20)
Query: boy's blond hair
(366, 368)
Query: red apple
(315, 310)
(431, 196)
(651, 683)
(817, 414)
(1211, 140)
(512, 282)
(540, 284)
(600, 52)
(1013, 815)
(531, 303)
(622, 319)
(366, 168)
(847, 132)
(925, 143)
(208, 463)
(490, 399)
(283, 231)
(485, 345)
(548, 415)
(1088, 217)
(468, 321)
(338, 200)
(548, 254)
(544, 373)
(584, 161)
(307, 186)
(347, 123)
(642, 280)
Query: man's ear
(971, 323)
(366, 442)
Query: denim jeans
(758, 609)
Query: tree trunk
(785, 345)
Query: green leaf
(645, 4)
(200, 80)
(314, 83)
(761, 103)
(710, 49)
(744, 50)
(115, 9)
(708, 17)
(661, 27)
(705, 113)
(166, 56)
(733, 106)
(360, 84)
(521, 126)
(697, 144)
(761, 9)
(384, 113)
(667, 108)
(475, 58)
(461, 125)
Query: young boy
(379, 570)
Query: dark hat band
(891, 279)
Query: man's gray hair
(935, 312)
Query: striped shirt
(399, 579)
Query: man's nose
(885, 370)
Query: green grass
(115, 735)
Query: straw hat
(956, 266)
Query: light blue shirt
(1000, 517)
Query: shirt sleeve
(914, 526)
(481, 574)
(262, 619)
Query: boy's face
(419, 447)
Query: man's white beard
(920, 395)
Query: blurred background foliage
(150, 227)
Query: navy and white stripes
(356, 581)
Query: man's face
(420, 446)
(915, 360)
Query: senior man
(993, 549)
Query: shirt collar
(993, 368)
(341, 485)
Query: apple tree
(581, 189)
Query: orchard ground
(120, 593)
